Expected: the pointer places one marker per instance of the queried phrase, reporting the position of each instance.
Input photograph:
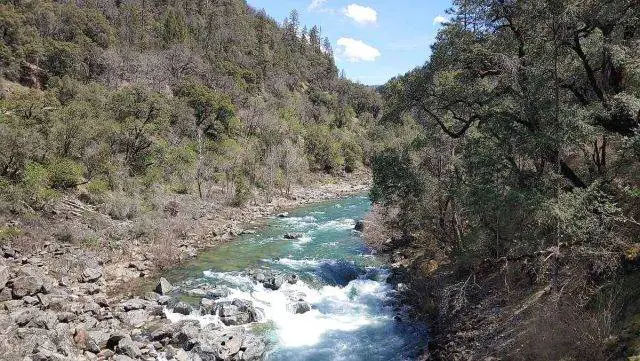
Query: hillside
(512, 198)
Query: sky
(373, 40)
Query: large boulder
(164, 287)
(227, 344)
(236, 312)
(28, 282)
(299, 307)
(274, 282)
(128, 348)
(253, 348)
(93, 341)
(359, 225)
(91, 274)
(216, 293)
(182, 308)
(187, 335)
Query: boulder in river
(359, 225)
(163, 287)
(299, 307)
(217, 292)
(182, 308)
(236, 312)
(293, 235)
(283, 215)
(274, 282)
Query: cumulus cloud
(361, 14)
(355, 50)
(317, 5)
(440, 19)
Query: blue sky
(374, 40)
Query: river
(354, 313)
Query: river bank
(64, 297)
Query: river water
(354, 314)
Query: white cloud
(440, 19)
(317, 5)
(355, 50)
(361, 14)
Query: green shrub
(242, 193)
(9, 233)
(36, 185)
(65, 173)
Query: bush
(122, 207)
(65, 173)
(242, 193)
(36, 185)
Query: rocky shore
(74, 301)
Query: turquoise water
(354, 313)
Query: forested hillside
(517, 203)
(119, 99)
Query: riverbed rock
(227, 344)
(359, 225)
(135, 304)
(182, 308)
(164, 287)
(283, 215)
(236, 312)
(216, 293)
(128, 348)
(292, 279)
(253, 347)
(299, 307)
(293, 235)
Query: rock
(283, 215)
(66, 317)
(23, 316)
(30, 300)
(163, 287)
(187, 336)
(128, 348)
(274, 282)
(253, 348)
(5, 294)
(95, 341)
(91, 274)
(135, 304)
(12, 305)
(216, 293)
(182, 308)
(292, 279)
(207, 306)
(294, 235)
(299, 307)
(164, 300)
(4, 275)
(236, 312)
(227, 344)
(135, 318)
(138, 266)
(46, 320)
(29, 282)
(359, 225)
